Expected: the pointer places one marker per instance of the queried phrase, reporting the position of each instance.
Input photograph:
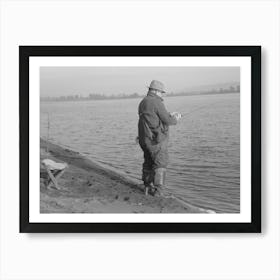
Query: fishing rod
(184, 114)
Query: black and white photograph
(141, 137)
(168, 139)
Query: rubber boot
(159, 181)
(148, 177)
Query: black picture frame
(25, 52)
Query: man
(153, 134)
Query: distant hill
(228, 87)
(212, 86)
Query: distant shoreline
(59, 99)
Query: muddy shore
(88, 187)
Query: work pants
(155, 159)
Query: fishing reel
(176, 115)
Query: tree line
(97, 96)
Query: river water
(204, 148)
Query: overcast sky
(59, 81)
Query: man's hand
(176, 115)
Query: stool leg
(59, 174)
(52, 179)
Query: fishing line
(196, 109)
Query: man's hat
(157, 85)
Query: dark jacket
(154, 120)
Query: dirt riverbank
(87, 187)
